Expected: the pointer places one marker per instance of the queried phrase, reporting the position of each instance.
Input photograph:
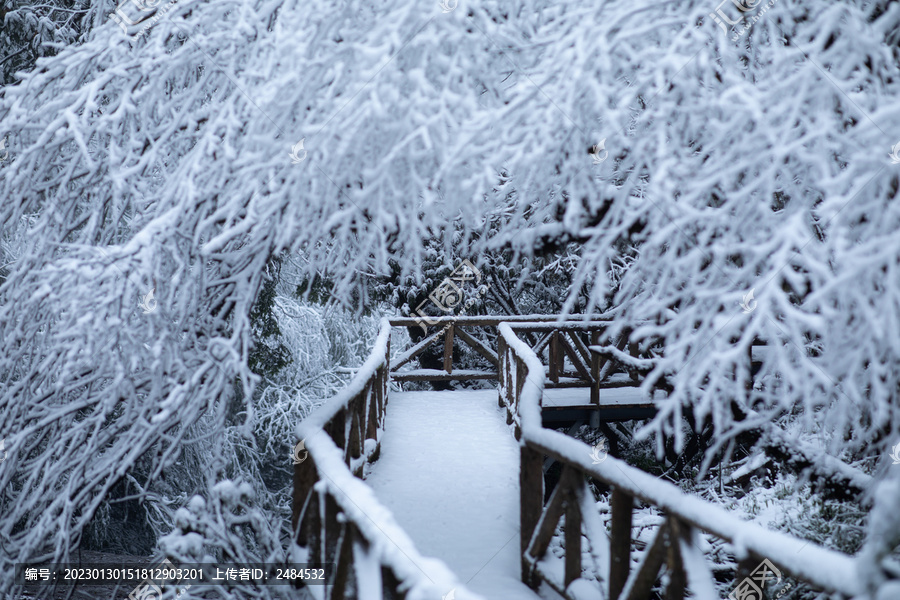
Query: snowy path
(449, 472)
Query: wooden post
(554, 356)
(336, 429)
(502, 370)
(344, 562)
(301, 502)
(372, 417)
(332, 528)
(595, 370)
(677, 578)
(647, 573)
(531, 502)
(749, 382)
(573, 539)
(314, 527)
(357, 407)
(620, 542)
(448, 348)
(386, 374)
(308, 526)
(521, 373)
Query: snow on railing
(337, 518)
(521, 389)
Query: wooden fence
(677, 540)
(561, 340)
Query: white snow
(619, 396)
(424, 578)
(449, 472)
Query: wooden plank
(493, 321)
(357, 408)
(542, 343)
(552, 513)
(373, 412)
(382, 396)
(606, 360)
(521, 373)
(549, 325)
(305, 477)
(572, 538)
(553, 359)
(622, 505)
(448, 348)
(337, 428)
(385, 375)
(416, 350)
(502, 372)
(313, 526)
(331, 529)
(478, 346)
(580, 345)
(531, 502)
(642, 581)
(580, 367)
(344, 562)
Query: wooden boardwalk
(410, 501)
(449, 472)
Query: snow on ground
(449, 471)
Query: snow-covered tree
(693, 162)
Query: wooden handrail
(336, 517)
(494, 320)
(562, 334)
(521, 388)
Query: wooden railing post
(621, 505)
(595, 370)
(531, 504)
(554, 356)
(521, 374)
(337, 429)
(372, 416)
(448, 348)
(502, 372)
(645, 578)
(573, 538)
(357, 410)
(344, 566)
(332, 530)
(301, 500)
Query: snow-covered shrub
(226, 527)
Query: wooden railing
(560, 339)
(336, 518)
(677, 541)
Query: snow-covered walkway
(449, 472)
